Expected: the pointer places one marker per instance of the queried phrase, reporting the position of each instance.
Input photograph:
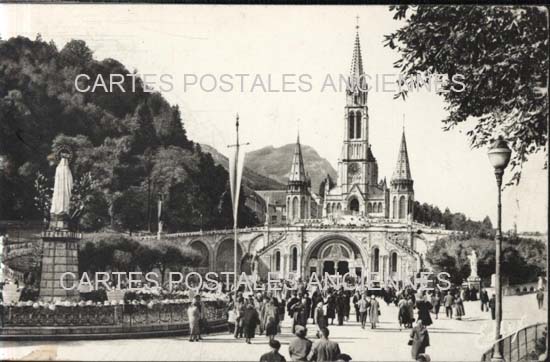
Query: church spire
(402, 169)
(356, 60)
(297, 170)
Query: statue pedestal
(59, 256)
(474, 281)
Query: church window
(303, 214)
(277, 261)
(351, 125)
(339, 208)
(369, 208)
(402, 207)
(394, 262)
(395, 207)
(294, 260)
(358, 125)
(376, 260)
(295, 212)
(354, 205)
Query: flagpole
(235, 188)
(236, 206)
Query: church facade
(360, 224)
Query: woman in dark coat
(251, 319)
(331, 308)
(271, 319)
(404, 316)
(420, 339)
(424, 308)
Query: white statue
(62, 188)
(473, 264)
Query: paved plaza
(451, 340)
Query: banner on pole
(236, 165)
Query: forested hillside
(128, 146)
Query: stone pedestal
(474, 281)
(59, 256)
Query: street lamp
(499, 156)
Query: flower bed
(32, 320)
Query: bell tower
(353, 166)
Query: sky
(298, 45)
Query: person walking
(341, 307)
(239, 312)
(436, 303)
(291, 303)
(363, 306)
(273, 355)
(320, 317)
(492, 306)
(316, 297)
(459, 308)
(374, 311)
(540, 298)
(194, 317)
(271, 315)
(484, 300)
(324, 350)
(300, 347)
(449, 301)
(419, 339)
(299, 315)
(356, 299)
(424, 307)
(251, 319)
(347, 301)
(231, 316)
(404, 316)
(306, 301)
(331, 307)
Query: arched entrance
(200, 247)
(333, 255)
(354, 205)
(225, 255)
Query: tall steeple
(297, 170)
(402, 169)
(298, 197)
(356, 60)
(357, 87)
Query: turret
(401, 185)
(298, 198)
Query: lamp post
(499, 156)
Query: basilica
(359, 224)
(358, 191)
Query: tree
(130, 209)
(500, 53)
(43, 198)
(131, 140)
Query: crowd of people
(250, 314)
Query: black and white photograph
(273, 183)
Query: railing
(126, 316)
(521, 345)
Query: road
(451, 340)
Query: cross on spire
(357, 22)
